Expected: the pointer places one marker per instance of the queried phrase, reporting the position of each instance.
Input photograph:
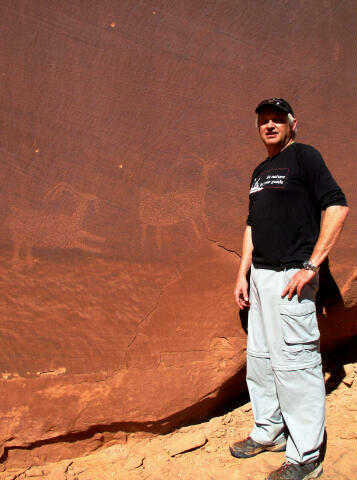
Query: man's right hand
(241, 293)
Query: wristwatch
(307, 265)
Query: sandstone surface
(127, 144)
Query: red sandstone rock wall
(127, 144)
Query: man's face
(274, 128)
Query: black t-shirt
(286, 197)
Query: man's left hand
(298, 282)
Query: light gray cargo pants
(284, 374)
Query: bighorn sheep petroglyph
(38, 228)
(161, 210)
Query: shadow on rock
(333, 363)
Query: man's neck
(273, 150)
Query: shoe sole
(315, 474)
(273, 448)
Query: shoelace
(284, 466)
(248, 439)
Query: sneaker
(297, 471)
(249, 448)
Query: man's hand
(241, 293)
(298, 282)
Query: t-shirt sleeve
(251, 200)
(249, 219)
(319, 180)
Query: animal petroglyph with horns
(160, 210)
(37, 228)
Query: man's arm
(331, 227)
(241, 286)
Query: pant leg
(269, 426)
(298, 375)
(268, 422)
(302, 401)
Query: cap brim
(272, 105)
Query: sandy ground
(201, 451)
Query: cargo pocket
(299, 323)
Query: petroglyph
(38, 228)
(167, 209)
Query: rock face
(127, 144)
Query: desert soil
(201, 451)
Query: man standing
(284, 245)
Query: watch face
(307, 265)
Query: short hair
(290, 122)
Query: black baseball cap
(279, 103)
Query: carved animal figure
(37, 228)
(160, 210)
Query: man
(283, 246)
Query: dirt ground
(201, 451)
